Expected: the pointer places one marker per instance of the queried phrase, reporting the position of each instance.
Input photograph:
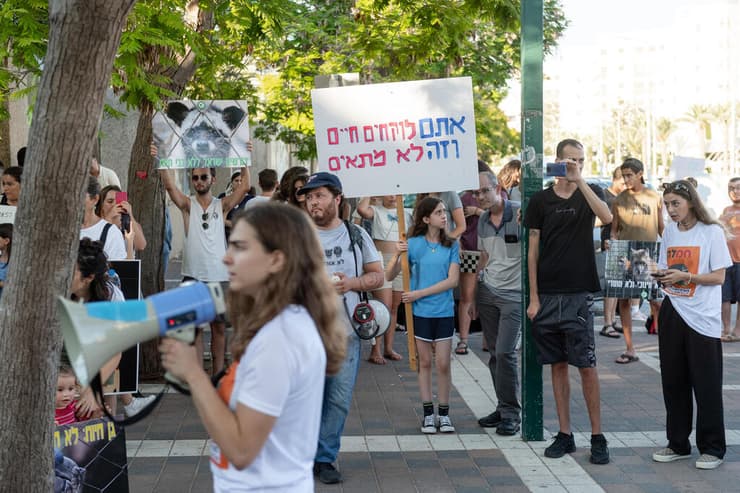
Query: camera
(555, 169)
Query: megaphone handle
(184, 334)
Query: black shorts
(433, 329)
(731, 286)
(563, 330)
(224, 290)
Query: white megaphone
(95, 332)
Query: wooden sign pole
(406, 284)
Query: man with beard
(499, 299)
(205, 240)
(355, 266)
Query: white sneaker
(137, 404)
(706, 461)
(429, 425)
(638, 315)
(668, 455)
(445, 425)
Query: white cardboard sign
(399, 137)
(7, 214)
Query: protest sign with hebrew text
(398, 138)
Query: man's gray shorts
(563, 330)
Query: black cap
(320, 179)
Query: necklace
(687, 226)
(431, 246)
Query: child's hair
(424, 209)
(91, 261)
(66, 371)
(6, 231)
(302, 281)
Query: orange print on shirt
(225, 388)
(685, 259)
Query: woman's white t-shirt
(281, 374)
(700, 250)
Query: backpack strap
(104, 234)
(355, 238)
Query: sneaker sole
(598, 461)
(708, 465)
(553, 456)
(429, 431)
(445, 429)
(670, 458)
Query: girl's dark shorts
(434, 329)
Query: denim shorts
(434, 329)
(731, 286)
(563, 330)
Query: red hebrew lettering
(353, 138)
(333, 132)
(377, 155)
(368, 133)
(334, 164)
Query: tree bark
(146, 187)
(83, 38)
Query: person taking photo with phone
(114, 207)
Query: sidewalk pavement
(384, 450)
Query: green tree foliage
(269, 53)
(395, 40)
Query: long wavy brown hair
(303, 280)
(420, 228)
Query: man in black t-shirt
(562, 278)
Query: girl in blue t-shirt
(435, 269)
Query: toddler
(67, 391)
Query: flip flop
(625, 359)
(462, 348)
(609, 331)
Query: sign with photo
(628, 268)
(90, 456)
(399, 137)
(202, 134)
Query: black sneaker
(563, 444)
(490, 421)
(327, 473)
(507, 427)
(599, 450)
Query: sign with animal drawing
(202, 134)
(628, 268)
(399, 137)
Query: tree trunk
(83, 39)
(145, 186)
(147, 197)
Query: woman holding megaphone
(263, 419)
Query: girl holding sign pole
(434, 261)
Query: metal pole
(532, 149)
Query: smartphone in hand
(121, 197)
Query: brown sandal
(462, 348)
